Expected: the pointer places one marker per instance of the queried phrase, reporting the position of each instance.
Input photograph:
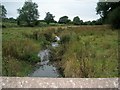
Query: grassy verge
(90, 51)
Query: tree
(49, 18)
(104, 8)
(3, 11)
(114, 18)
(76, 20)
(87, 23)
(28, 13)
(109, 12)
(99, 22)
(64, 20)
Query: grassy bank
(85, 51)
(20, 46)
(88, 51)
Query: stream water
(46, 69)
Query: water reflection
(45, 68)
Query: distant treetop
(28, 13)
(3, 11)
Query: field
(84, 51)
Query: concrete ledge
(36, 82)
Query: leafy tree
(64, 20)
(49, 18)
(114, 18)
(87, 23)
(28, 13)
(109, 12)
(99, 22)
(76, 20)
(3, 11)
(104, 8)
(94, 22)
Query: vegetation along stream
(69, 52)
(45, 68)
(78, 48)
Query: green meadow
(83, 52)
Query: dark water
(45, 68)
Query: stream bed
(45, 68)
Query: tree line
(29, 15)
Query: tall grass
(89, 52)
(21, 49)
(85, 51)
(18, 51)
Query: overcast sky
(85, 9)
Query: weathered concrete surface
(35, 82)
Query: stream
(46, 69)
